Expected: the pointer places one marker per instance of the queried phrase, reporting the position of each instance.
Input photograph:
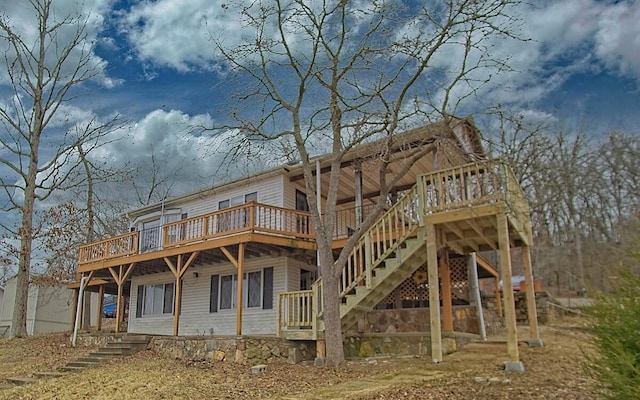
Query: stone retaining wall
(244, 350)
(402, 344)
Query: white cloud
(618, 38)
(22, 18)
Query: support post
(241, 247)
(99, 313)
(434, 294)
(178, 297)
(498, 297)
(447, 304)
(75, 305)
(514, 364)
(120, 277)
(532, 312)
(472, 266)
(358, 192)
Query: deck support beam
(120, 277)
(447, 305)
(532, 312)
(434, 293)
(514, 364)
(178, 272)
(241, 248)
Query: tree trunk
(331, 308)
(19, 320)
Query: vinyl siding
(195, 318)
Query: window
(235, 219)
(257, 290)
(155, 299)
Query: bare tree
(44, 73)
(342, 73)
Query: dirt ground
(551, 372)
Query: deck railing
(122, 245)
(300, 310)
(247, 217)
(471, 185)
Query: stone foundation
(243, 350)
(402, 344)
(412, 320)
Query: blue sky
(581, 64)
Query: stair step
(68, 368)
(93, 359)
(21, 380)
(83, 364)
(50, 374)
(118, 351)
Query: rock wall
(416, 320)
(244, 350)
(402, 344)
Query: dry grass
(552, 372)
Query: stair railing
(399, 222)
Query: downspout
(78, 310)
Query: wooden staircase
(396, 268)
(462, 201)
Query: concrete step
(93, 359)
(68, 368)
(21, 380)
(84, 364)
(115, 351)
(50, 374)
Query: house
(240, 258)
(49, 307)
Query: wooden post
(358, 193)
(509, 303)
(498, 297)
(531, 298)
(447, 306)
(119, 306)
(120, 277)
(75, 308)
(178, 272)
(434, 294)
(178, 297)
(99, 316)
(241, 247)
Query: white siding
(195, 318)
(270, 191)
(49, 308)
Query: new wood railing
(381, 239)
(471, 185)
(247, 217)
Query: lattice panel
(459, 279)
(414, 291)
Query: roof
(462, 144)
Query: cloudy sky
(161, 73)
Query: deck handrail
(251, 216)
(470, 185)
(116, 246)
(381, 239)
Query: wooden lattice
(414, 291)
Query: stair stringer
(410, 255)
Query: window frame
(147, 297)
(226, 298)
